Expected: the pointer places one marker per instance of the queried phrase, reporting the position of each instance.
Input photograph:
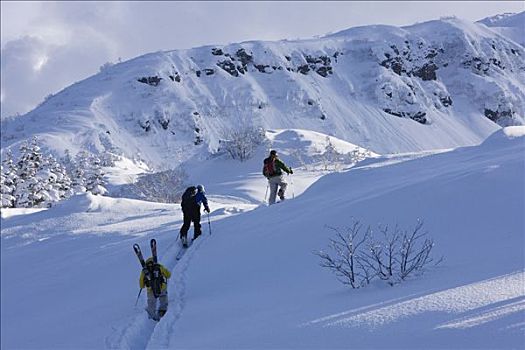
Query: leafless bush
(357, 155)
(415, 251)
(105, 66)
(382, 253)
(241, 143)
(164, 187)
(348, 263)
(334, 159)
(359, 256)
(299, 155)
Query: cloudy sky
(46, 46)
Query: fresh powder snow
(70, 278)
(434, 115)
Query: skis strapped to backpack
(153, 245)
(158, 279)
(153, 278)
(138, 252)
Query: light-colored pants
(152, 303)
(275, 182)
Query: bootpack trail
(140, 332)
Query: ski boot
(184, 240)
(152, 316)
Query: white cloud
(60, 44)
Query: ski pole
(291, 182)
(209, 225)
(138, 296)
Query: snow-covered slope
(266, 287)
(439, 84)
(510, 25)
(70, 279)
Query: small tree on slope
(164, 187)
(88, 174)
(241, 143)
(27, 189)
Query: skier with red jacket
(273, 170)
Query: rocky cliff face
(420, 65)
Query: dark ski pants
(189, 217)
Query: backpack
(154, 279)
(188, 198)
(269, 167)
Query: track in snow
(139, 332)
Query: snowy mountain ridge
(439, 84)
(510, 25)
(508, 19)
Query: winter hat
(200, 188)
(273, 152)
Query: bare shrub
(241, 143)
(347, 260)
(381, 253)
(415, 250)
(164, 187)
(359, 256)
(332, 159)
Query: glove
(207, 209)
(146, 278)
(291, 171)
(146, 283)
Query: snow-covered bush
(53, 182)
(27, 189)
(105, 66)
(34, 180)
(241, 143)
(332, 159)
(331, 155)
(358, 154)
(164, 187)
(88, 173)
(300, 157)
(360, 255)
(8, 179)
(75, 172)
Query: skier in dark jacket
(192, 199)
(273, 170)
